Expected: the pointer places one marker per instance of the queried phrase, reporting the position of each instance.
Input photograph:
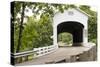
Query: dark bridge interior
(75, 28)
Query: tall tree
(21, 27)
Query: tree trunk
(21, 27)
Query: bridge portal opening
(74, 28)
(65, 39)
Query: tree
(21, 27)
(19, 8)
(65, 38)
(36, 31)
(92, 23)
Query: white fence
(44, 50)
(37, 52)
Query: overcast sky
(94, 8)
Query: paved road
(60, 54)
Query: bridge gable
(71, 15)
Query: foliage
(37, 32)
(44, 27)
(92, 23)
(65, 38)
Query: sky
(29, 13)
(94, 8)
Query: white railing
(44, 50)
(35, 52)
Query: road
(62, 54)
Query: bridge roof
(78, 9)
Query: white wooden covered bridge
(75, 22)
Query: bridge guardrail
(36, 52)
